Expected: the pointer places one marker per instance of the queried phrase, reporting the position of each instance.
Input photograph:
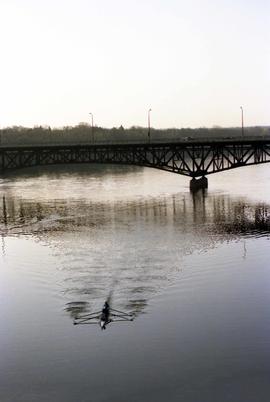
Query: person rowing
(104, 317)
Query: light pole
(149, 125)
(242, 118)
(92, 122)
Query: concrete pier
(196, 184)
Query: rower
(105, 315)
(106, 309)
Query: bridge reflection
(217, 213)
(93, 240)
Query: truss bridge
(195, 159)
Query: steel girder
(194, 160)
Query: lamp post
(92, 125)
(242, 118)
(149, 125)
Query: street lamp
(242, 117)
(92, 122)
(150, 110)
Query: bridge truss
(196, 159)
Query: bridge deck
(184, 142)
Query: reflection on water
(219, 214)
(77, 308)
(108, 246)
(194, 269)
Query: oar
(83, 319)
(89, 314)
(122, 312)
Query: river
(193, 269)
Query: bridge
(193, 158)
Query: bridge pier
(196, 184)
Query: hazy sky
(193, 62)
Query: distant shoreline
(85, 134)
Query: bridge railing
(111, 141)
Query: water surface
(193, 268)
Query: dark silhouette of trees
(82, 133)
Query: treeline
(85, 134)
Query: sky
(193, 62)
